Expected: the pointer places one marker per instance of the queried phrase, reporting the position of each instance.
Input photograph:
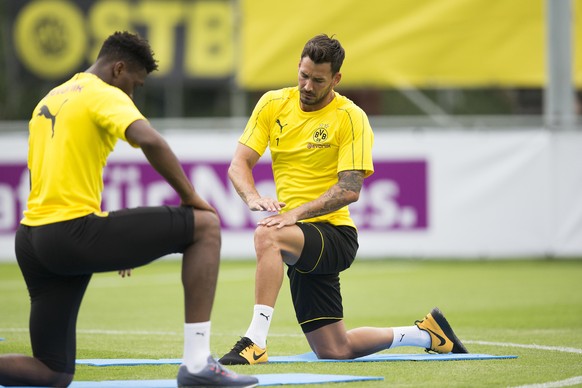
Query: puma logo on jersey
(45, 112)
(281, 126)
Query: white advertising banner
(434, 194)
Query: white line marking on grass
(532, 346)
(555, 384)
(142, 332)
(14, 329)
(155, 333)
(150, 332)
(124, 332)
(112, 332)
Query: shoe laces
(220, 370)
(242, 344)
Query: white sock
(410, 336)
(196, 345)
(260, 324)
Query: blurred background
(424, 58)
(476, 105)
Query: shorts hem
(317, 323)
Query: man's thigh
(328, 249)
(124, 239)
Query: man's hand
(265, 204)
(124, 272)
(199, 204)
(279, 220)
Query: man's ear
(118, 68)
(337, 78)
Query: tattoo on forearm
(351, 180)
(339, 195)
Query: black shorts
(314, 279)
(57, 261)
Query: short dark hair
(322, 49)
(125, 46)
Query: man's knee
(207, 224)
(56, 376)
(331, 349)
(265, 238)
(333, 354)
(63, 380)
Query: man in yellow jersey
(65, 237)
(321, 149)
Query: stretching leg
(200, 267)
(334, 342)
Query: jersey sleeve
(256, 133)
(357, 140)
(115, 112)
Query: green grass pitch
(533, 307)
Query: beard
(308, 98)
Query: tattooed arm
(344, 192)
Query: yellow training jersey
(72, 131)
(309, 149)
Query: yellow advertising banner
(399, 43)
(192, 39)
